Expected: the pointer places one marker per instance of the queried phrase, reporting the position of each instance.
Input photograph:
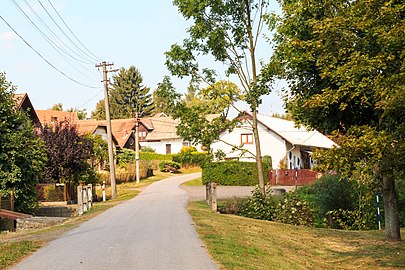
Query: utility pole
(137, 146)
(109, 132)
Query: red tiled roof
(47, 117)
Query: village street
(151, 231)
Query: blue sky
(123, 32)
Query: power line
(52, 33)
(70, 30)
(50, 41)
(43, 58)
(89, 99)
(71, 41)
(67, 60)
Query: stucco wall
(271, 144)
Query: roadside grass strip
(13, 252)
(236, 242)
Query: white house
(160, 134)
(279, 138)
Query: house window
(142, 134)
(246, 138)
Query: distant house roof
(160, 128)
(122, 129)
(293, 134)
(23, 103)
(90, 126)
(48, 117)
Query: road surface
(151, 231)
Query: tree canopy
(128, 96)
(228, 31)
(22, 153)
(344, 62)
(68, 153)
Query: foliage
(228, 31)
(127, 96)
(127, 172)
(154, 156)
(257, 206)
(81, 114)
(345, 67)
(189, 156)
(169, 166)
(22, 154)
(267, 164)
(293, 210)
(126, 156)
(53, 193)
(56, 107)
(100, 150)
(147, 149)
(164, 96)
(340, 203)
(230, 173)
(67, 151)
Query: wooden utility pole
(109, 132)
(137, 147)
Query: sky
(124, 32)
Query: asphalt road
(151, 231)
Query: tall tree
(68, 153)
(56, 107)
(164, 95)
(229, 31)
(22, 153)
(128, 96)
(344, 61)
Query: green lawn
(195, 182)
(242, 243)
(13, 252)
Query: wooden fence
(283, 177)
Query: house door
(168, 149)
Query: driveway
(151, 231)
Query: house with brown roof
(51, 117)
(94, 128)
(157, 132)
(24, 104)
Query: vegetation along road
(151, 231)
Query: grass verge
(11, 253)
(242, 243)
(193, 183)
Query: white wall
(160, 147)
(271, 144)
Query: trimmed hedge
(192, 158)
(154, 156)
(231, 173)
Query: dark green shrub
(293, 210)
(340, 204)
(169, 166)
(125, 157)
(258, 207)
(188, 159)
(230, 173)
(267, 163)
(147, 149)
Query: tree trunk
(391, 212)
(258, 154)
